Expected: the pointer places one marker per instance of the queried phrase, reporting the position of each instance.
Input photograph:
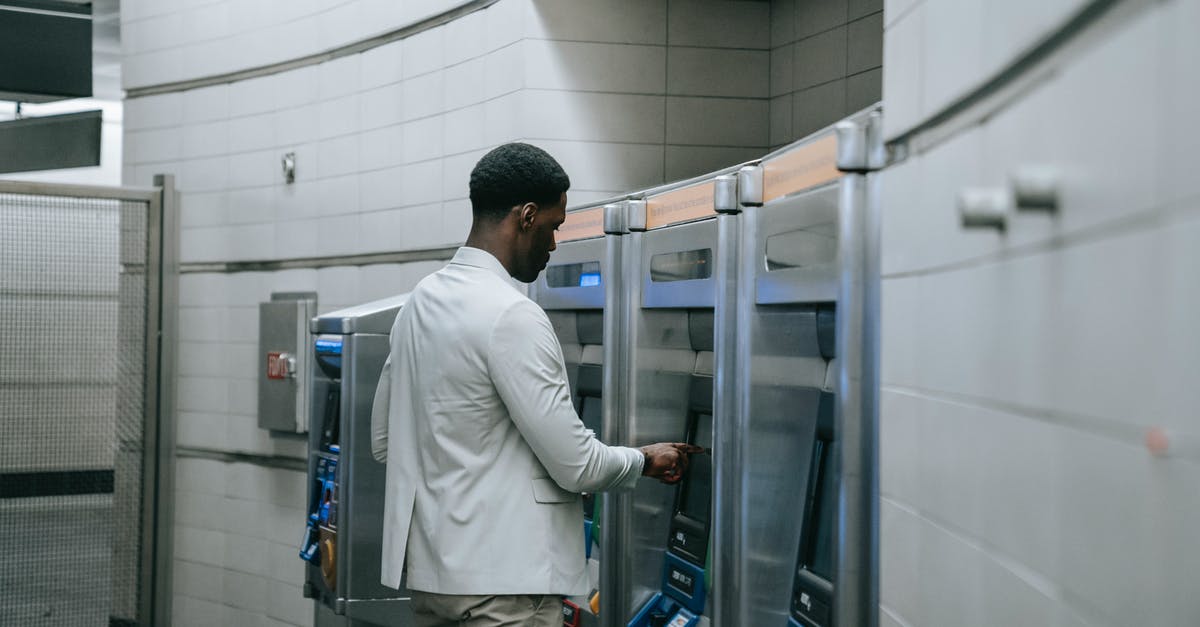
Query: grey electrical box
(285, 356)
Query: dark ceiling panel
(50, 142)
(47, 51)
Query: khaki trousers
(467, 610)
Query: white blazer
(485, 453)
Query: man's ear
(527, 214)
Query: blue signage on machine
(322, 512)
(685, 585)
(328, 349)
(589, 279)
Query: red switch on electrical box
(279, 365)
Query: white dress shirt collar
(479, 258)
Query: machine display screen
(589, 413)
(586, 274)
(685, 265)
(697, 485)
(817, 555)
(331, 420)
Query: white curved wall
(946, 47)
(1021, 370)
(625, 93)
(173, 40)
(385, 139)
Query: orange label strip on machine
(581, 224)
(693, 202)
(807, 166)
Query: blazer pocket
(545, 490)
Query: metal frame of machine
(807, 381)
(820, 338)
(750, 295)
(345, 507)
(674, 263)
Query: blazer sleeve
(379, 413)
(525, 364)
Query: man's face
(537, 240)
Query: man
(485, 454)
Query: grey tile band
(298, 464)
(15, 485)
(312, 263)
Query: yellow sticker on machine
(581, 224)
(807, 166)
(682, 205)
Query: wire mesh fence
(73, 314)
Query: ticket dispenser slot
(684, 590)
(812, 594)
(588, 398)
(328, 350)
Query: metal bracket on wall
(289, 167)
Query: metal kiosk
(572, 292)
(805, 384)
(674, 264)
(343, 540)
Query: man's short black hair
(514, 174)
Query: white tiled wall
(359, 151)
(948, 47)
(825, 63)
(235, 545)
(370, 147)
(237, 525)
(647, 92)
(1021, 370)
(627, 94)
(172, 40)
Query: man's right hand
(667, 461)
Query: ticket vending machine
(343, 537)
(804, 409)
(572, 291)
(671, 272)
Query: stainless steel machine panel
(362, 489)
(577, 271)
(797, 257)
(376, 317)
(345, 478)
(677, 265)
(669, 342)
(805, 381)
(787, 294)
